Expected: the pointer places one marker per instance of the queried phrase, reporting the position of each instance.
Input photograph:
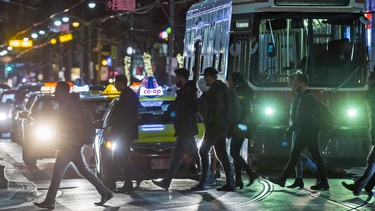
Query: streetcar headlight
(269, 111)
(352, 112)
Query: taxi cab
(37, 123)
(151, 153)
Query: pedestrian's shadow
(207, 199)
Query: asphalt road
(78, 194)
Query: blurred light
(3, 116)
(110, 145)
(42, 32)
(104, 62)
(3, 53)
(53, 41)
(75, 24)
(34, 35)
(91, 5)
(169, 30)
(9, 69)
(57, 23)
(269, 111)
(111, 80)
(24, 80)
(44, 132)
(129, 50)
(10, 48)
(26, 39)
(65, 19)
(352, 112)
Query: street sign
(120, 5)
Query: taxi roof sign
(49, 87)
(149, 87)
(110, 90)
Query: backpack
(233, 106)
(87, 127)
(325, 117)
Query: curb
(17, 193)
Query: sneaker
(160, 184)
(201, 186)
(352, 188)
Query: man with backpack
(306, 128)
(216, 130)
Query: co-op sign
(143, 91)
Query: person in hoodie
(216, 131)
(306, 129)
(185, 109)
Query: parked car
(6, 102)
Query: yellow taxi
(151, 153)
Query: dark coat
(370, 97)
(215, 98)
(124, 121)
(305, 119)
(186, 108)
(246, 98)
(69, 120)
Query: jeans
(182, 143)
(309, 141)
(218, 140)
(64, 157)
(303, 160)
(367, 180)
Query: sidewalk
(20, 188)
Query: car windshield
(44, 106)
(7, 97)
(155, 112)
(96, 108)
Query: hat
(210, 71)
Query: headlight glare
(3, 116)
(110, 145)
(352, 112)
(44, 132)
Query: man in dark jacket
(367, 180)
(216, 130)
(124, 129)
(185, 124)
(68, 136)
(306, 129)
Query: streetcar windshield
(331, 49)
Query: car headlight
(44, 132)
(3, 116)
(110, 145)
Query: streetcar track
(336, 202)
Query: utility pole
(171, 40)
(99, 49)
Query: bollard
(4, 183)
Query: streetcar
(266, 40)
